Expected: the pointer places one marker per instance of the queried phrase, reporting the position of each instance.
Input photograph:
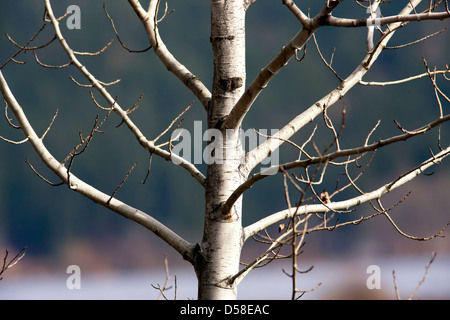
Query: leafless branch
(51, 67)
(397, 294)
(427, 268)
(437, 234)
(301, 214)
(131, 109)
(50, 125)
(300, 148)
(117, 34)
(421, 282)
(266, 74)
(148, 169)
(100, 86)
(296, 244)
(250, 95)
(96, 103)
(416, 77)
(121, 183)
(18, 127)
(42, 177)
(47, 18)
(346, 204)
(166, 283)
(8, 119)
(303, 18)
(91, 85)
(352, 23)
(134, 107)
(293, 235)
(172, 123)
(329, 157)
(12, 141)
(24, 47)
(148, 18)
(254, 157)
(432, 76)
(417, 41)
(79, 84)
(178, 243)
(11, 263)
(166, 12)
(328, 64)
(302, 292)
(94, 53)
(84, 142)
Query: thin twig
(427, 268)
(166, 283)
(328, 64)
(7, 265)
(50, 66)
(172, 123)
(121, 183)
(397, 294)
(148, 168)
(94, 53)
(42, 177)
(117, 34)
(24, 47)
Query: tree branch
(427, 268)
(149, 20)
(248, 3)
(237, 114)
(250, 95)
(358, 151)
(149, 145)
(7, 265)
(117, 34)
(303, 18)
(353, 23)
(400, 81)
(255, 156)
(78, 185)
(346, 204)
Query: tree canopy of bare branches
(226, 101)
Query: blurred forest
(60, 227)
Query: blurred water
(339, 280)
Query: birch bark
(222, 241)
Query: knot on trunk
(230, 84)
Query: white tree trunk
(223, 238)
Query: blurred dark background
(59, 226)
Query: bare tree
(216, 257)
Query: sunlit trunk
(222, 239)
